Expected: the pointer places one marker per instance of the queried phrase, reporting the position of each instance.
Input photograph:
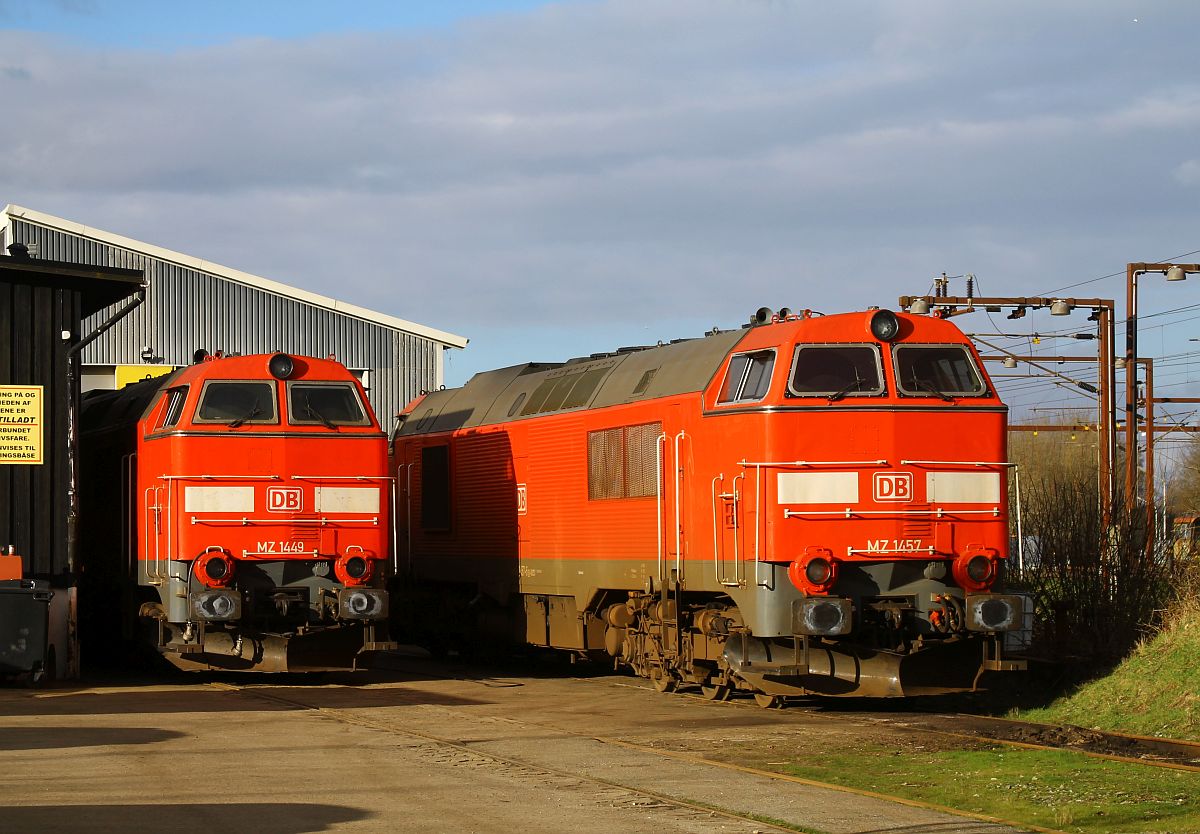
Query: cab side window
(174, 410)
(748, 378)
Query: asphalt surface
(420, 747)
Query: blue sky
(165, 24)
(557, 179)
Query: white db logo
(285, 499)
(893, 486)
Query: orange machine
(810, 504)
(251, 526)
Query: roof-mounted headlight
(281, 366)
(884, 325)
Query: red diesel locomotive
(251, 527)
(808, 505)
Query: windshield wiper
(312, 412)
(250, 415)
(837, 395)
(925, 386)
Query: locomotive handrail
(954, 463)
(940, 512)
(739, 571)
(220, 477)
(291, 521)
(152, 508)
(408, 468)
(850, 551)
(758, 523)
(733, 497)
(658, 498)
(678, 521)
(761, 464)
(342, 478)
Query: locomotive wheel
(662, 680)
(768, 701)
(716, 692)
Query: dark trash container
(24, 627)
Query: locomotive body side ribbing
(796, 507)
(251, 526)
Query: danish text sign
(21, 421)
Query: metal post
(1131, 376)
(1149, 363)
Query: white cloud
(1188, 172)
(629, 161)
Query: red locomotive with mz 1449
(807, 505)
(250, 527)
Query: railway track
(1173, 754)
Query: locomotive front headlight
(822, 616)
(884, 325)
(281, 366)
(216, 605)
(362, 604)
(994, 612)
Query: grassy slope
(1155, 691)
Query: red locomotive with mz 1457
(250, 526)
(808, 505)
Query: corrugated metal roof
(188, 307)
(199, 265)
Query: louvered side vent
(622, 462)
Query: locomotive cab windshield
(330, 404)
(236, 402)
(834, 371)
(941, 370)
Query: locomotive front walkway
(422, 748)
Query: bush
(1096, 588)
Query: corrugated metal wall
(186, 310)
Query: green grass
(1155, 691)
(1052, 789)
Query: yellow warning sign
(20, 424)
(129, 374)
